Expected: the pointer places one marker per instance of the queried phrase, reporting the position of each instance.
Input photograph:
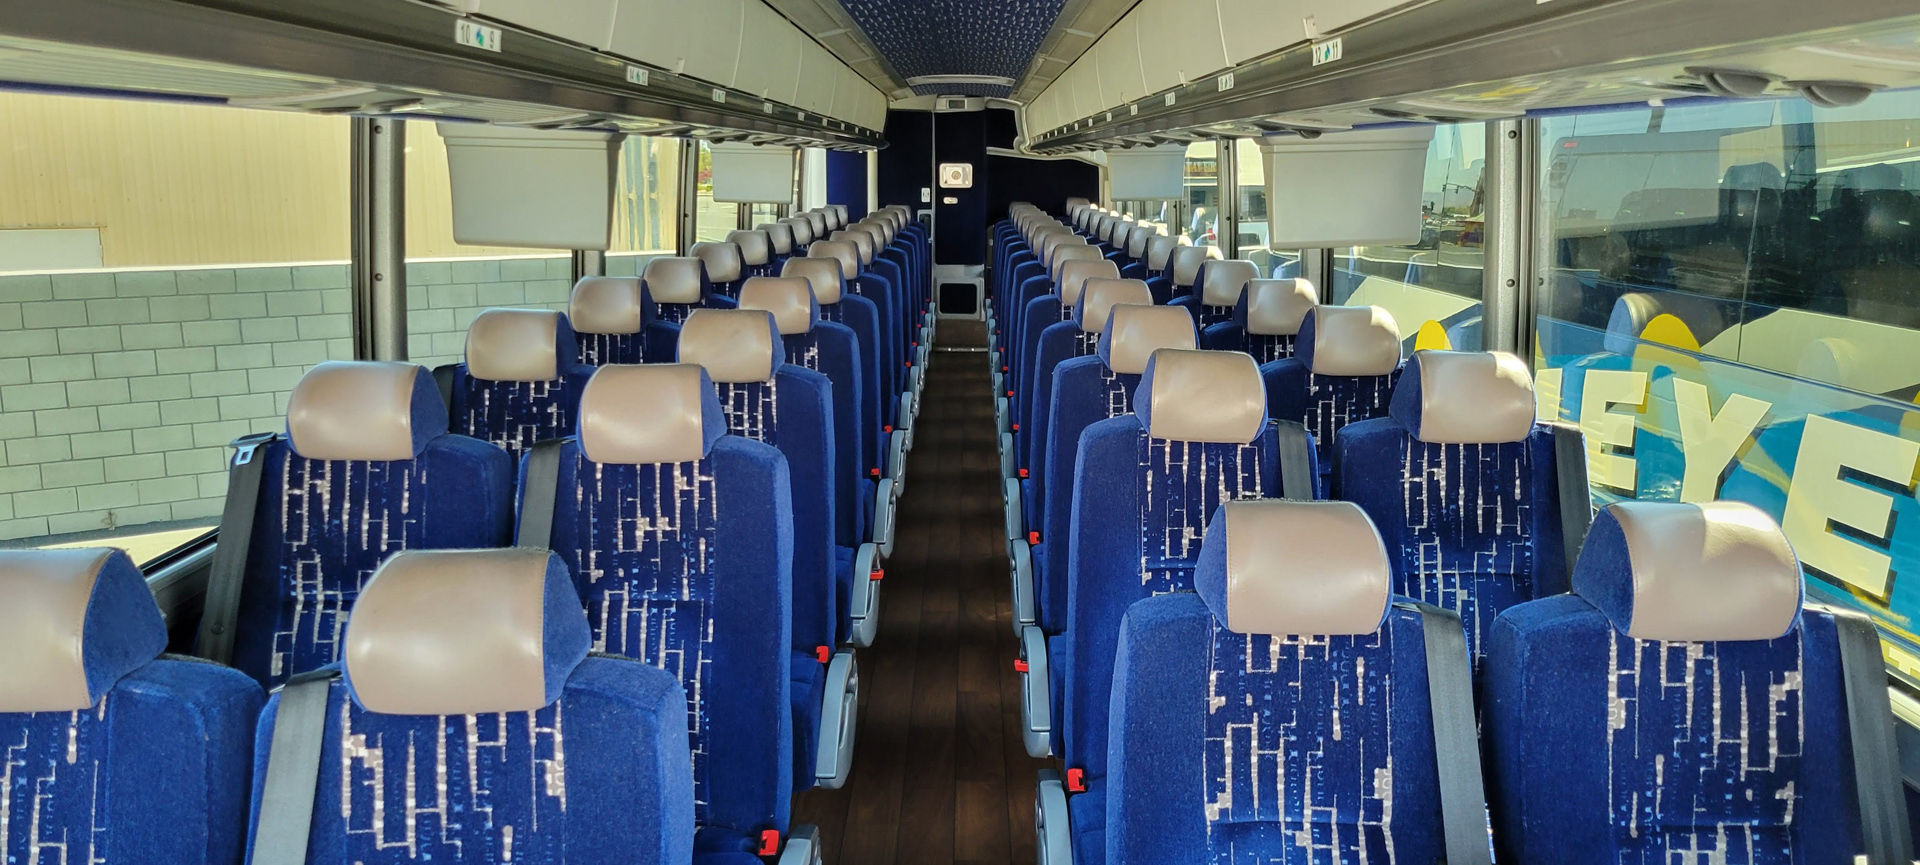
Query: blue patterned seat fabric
(679, 538)
(520, 382)
(1279, 715)
(1344, 365)
(112, 752)
(609, 316)
(368, 469)
(510, 745)
(1266, 320)
(1219, 288)
(1678, 706)
(673, 289)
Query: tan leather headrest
(363, 411)
(674, 280)
(1294, 567)
(1160, 247)
(1099, 295)
(1137, 241)
(1226, 280)
(1052, 244)
(1275, 307)
(842, 251)
(781, 235)
(1075, 271)
(1064, 255)
(756, 246)
(723, 260)
(606, 304)
(1701, 572)
(862, 243)
(1135, 332)
(734, 345)
(514, 345)
(823, 274)
(819, 222)
(1349, 340)
(876, 232)
(789, 298)
(802, 230)
(1465, 397)
(72, 623)
(836, 217)
(647, 414)
(1202, 396)
(1186, 261)
(462, 632)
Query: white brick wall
(119, 390)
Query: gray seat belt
(542, 487)
(293, 770)
(1876, 759)
(1576, 501)
(1456, 738)
(1296, 461)
(221, 610)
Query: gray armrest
(884, 505)
(1054, 830)
(1000, 411)
(803, 847)
(1006, 455)
(1025, 604)
(897, 459)
(838, 709)
(1036, 708)
(864, 606)
(1010, 500)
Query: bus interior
(1022, 431)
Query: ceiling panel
(957, 37)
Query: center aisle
(939, 774)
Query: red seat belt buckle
(1076, 780)
(877, 574)
(1009, 392)
(1023, 472)
(887, 428)
(1033, 539)
(769, 843)
(822, 654)
(1003, 367)
(873, 473)
(1019, 665)
(1016, 427)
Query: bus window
(1251, 171)
(646, 195)
(712, 220)
(167, 272)
(1201, 221)
(1728, 303)
(1437, 278)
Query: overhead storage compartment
(527, 187)
(770, 55)
(1147, 172)
(698, 39)
(588, 22)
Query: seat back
(521, 380)
(1063, 341)
(608, 315)
(861, 316)
(1143, 491)
(833, 350)
(1679, 704)
(756, 251)
(113, 753)
(725, 265)
(679, 538)
(1266, 320)
(471, 725)
(780, 235)
(1183, 267)
(1344, 365)
(675, 287)
(367, 469)
(1462, 484)
(1283, 705)
(1087, 390)
(803, 233)
(1218, 288)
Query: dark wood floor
(939, 774)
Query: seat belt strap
(1876, 759)
(1576, 502)
(541, 489)
(1456, 740)
(221, 611)
(293, 770)
(1296, 461)
(443, 379)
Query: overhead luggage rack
(381, 57)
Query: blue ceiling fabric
(951, 37)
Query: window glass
(1251, 171)
(1437, 278)
(1200, 223)
(1728, 297)
(713, 220)
(167, 273)
(646, 196)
